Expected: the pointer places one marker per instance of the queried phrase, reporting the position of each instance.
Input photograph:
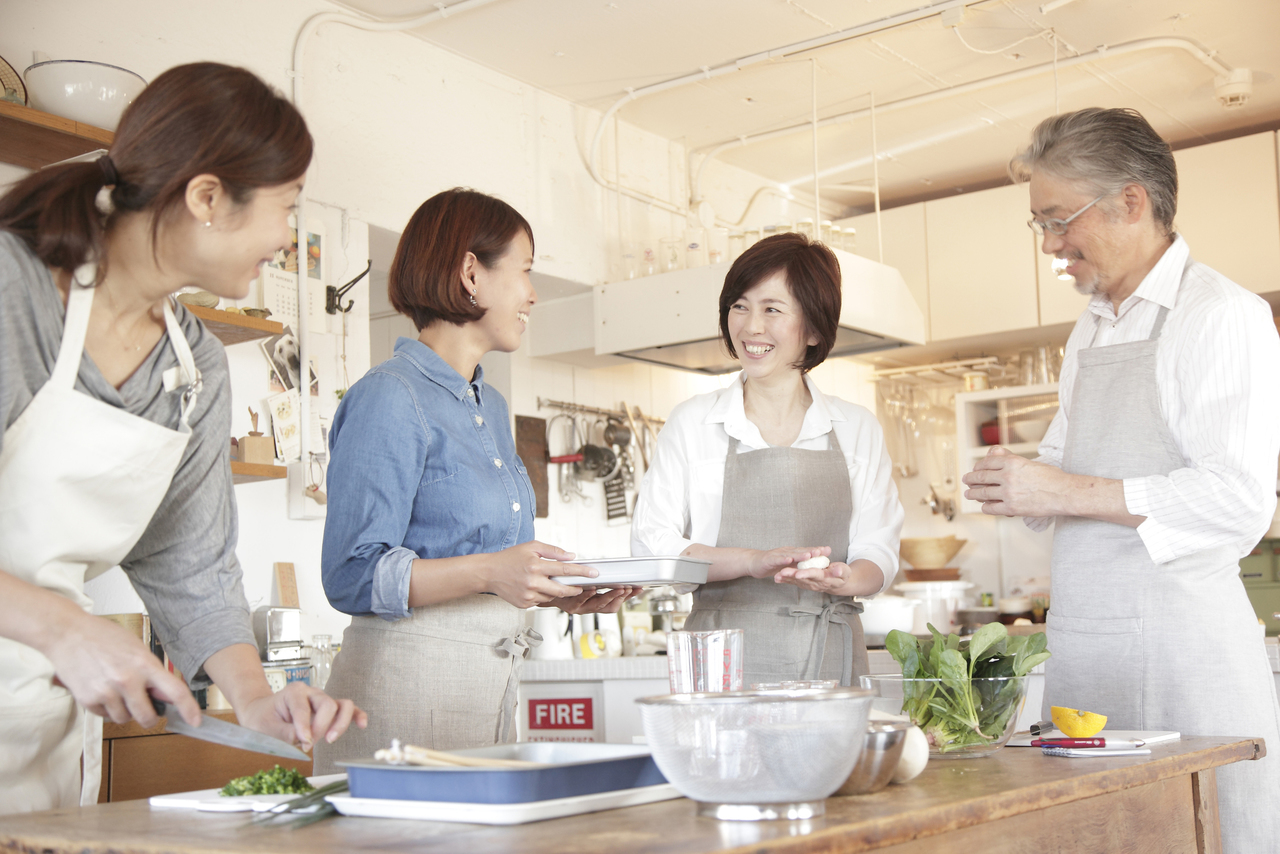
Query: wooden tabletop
(949, 796)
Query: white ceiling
(592, 51)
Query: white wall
(396, 120)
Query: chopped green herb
(277, 781)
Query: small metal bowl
(881, 751)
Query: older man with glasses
(1159, 467)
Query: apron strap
(1159, 324)
(186, 373)
(74, 327)
(518, 647)
(818, 649)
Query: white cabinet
(982, 268)
(1060, 302)
(1016, 417)
(1228, 208)
(904, 246)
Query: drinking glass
(700, 662)
(321, 660)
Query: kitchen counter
(1014, 801)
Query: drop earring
(472, 297)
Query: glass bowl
(961, 720)
(793, 747)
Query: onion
(915, 755)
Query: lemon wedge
(1074, 723)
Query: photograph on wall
(282, 355)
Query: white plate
(656, 571)
(208, 800)
(501, 813)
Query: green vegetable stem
(963, 693)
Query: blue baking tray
(568, 770)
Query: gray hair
(1106, 149)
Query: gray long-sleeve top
(184, 567)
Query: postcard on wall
(286, 424)
(278, 282)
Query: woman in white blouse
(770, 472)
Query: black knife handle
(158, 705)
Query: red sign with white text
(561, 713)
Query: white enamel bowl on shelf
(92, 93)
(1029, 430)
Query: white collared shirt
(1218, 376)
(681, 496)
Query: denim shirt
(422, 464)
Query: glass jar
(321, 660)
(717, 245)
(695, 247)
(669, 256)
(737, 245)
(805, 227)
(825, 233)
(849, 239)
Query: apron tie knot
(818, 648)
(519, 645)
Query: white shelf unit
(1009, 408)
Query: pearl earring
(472, 297)
(209, 224)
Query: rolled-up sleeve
(1226, 429)
(184, 566)
(374, 473)
(875, 528)
(661, 521)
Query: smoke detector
(1234, 89)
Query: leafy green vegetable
(962, 693)
(277, 781)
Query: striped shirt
(1218, 376)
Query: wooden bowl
(930, 552)
(949, 574)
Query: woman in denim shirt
(430, 509)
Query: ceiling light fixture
(1235, 88)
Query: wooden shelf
(235, 328)
(254, 472)
(32, 139)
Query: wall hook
(333, 296)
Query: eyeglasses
(1059, 226)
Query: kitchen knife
(220, 732)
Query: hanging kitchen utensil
(635, 435)
(591, 461)
(566, 476)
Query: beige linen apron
(1174, 646)
(773, 498)
(444, 677)
(79, 483)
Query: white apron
(79, 483)
(777, 497)
(1174, 646)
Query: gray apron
(774, 498)
(444, 677)
(1174, 646)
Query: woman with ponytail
(115, 409)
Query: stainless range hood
(672, 319)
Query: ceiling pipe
(1171, 43)
(307, 30)
(707, 73)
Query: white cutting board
(208, 800)
(1023, 739)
